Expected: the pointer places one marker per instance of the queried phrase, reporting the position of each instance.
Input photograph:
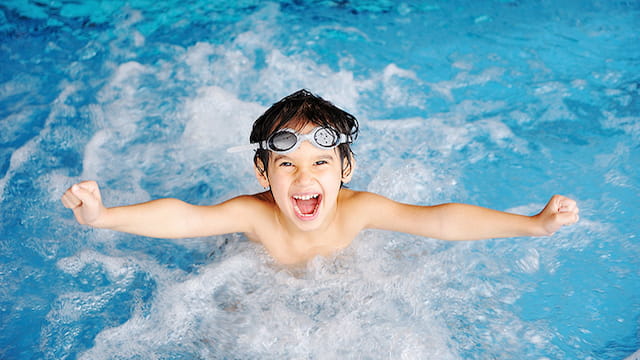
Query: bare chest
(292, 249)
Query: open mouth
(306, 206)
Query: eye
(321, 162)
(285, 164)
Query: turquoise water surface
(495, 103)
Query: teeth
(305, 197)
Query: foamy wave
(218, 119)
(243, 308)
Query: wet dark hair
(297, 110)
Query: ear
(261, 174)
(347, 171)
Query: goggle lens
(282, 141)
(326, 137)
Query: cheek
(332, 181)
(279, 188)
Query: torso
(291, 247)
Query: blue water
(495, 103)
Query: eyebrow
(326, 157)
(280, 157)
(319, 157)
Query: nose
(304, 176)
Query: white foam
(18, 158)
(294, 72)
(99, 165)
(176, 317)
(462, 65)
(501, 134)
(125, 75)
(634, 356)
(218, 119)
(31, 148)
(629, 124)
(413, 182)
(552, 95)
(197, 56)
(530, 263)
(440, 133)
(92, 162)
(464, 79)
(432, 179)
(397, 89)
(115, 268)
(244, 307)
(521, 117)
(19, 84)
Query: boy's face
(305, 184)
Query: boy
(303, 158)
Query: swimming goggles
(287, 140)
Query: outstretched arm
(468, 222)
(165, 218)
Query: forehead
(306, 151)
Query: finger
(568, 218)
(564, 204)
(567, 207)
(91, 188)
(83, 194)
(70, 201)
(568, 202)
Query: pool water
(496, 103)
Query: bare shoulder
(371, 210)
(250, 204)
(362, 198)
(253, 212)
(366, 208)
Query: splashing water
(496, 103)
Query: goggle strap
(345, 139)
(235, 149)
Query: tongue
(307, 207)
